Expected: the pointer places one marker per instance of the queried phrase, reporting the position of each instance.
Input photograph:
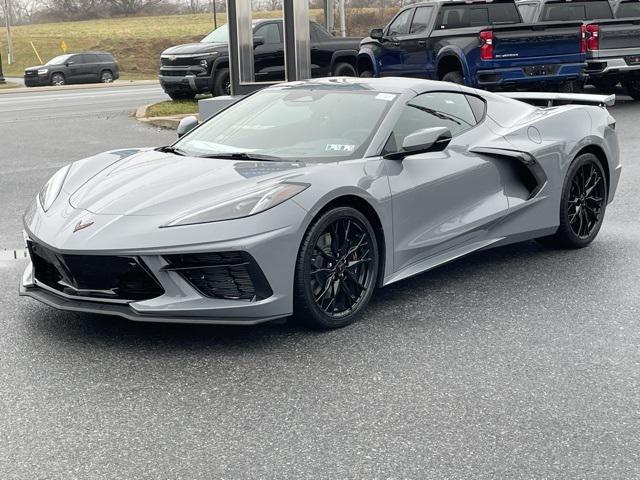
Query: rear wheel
(632, 86)
(605, 84)
(366, 74)
(454, 77)
(222, 83)
(572, 86)
(343, 69)
(336, 270)
(106, 76)
(583, 204)
(57, 79)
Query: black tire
(342, 69)
(325, 298)
(181, 95)
(605, 84)
(572, 86)
(106, 76)
(454, 77)
(582, 205)
(632, 86)
(222, 83)
(57, 79)
(366, 74)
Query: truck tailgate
(546, 41)
(620, 33)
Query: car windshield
(219, 35)
(59, 60)
(323, 124)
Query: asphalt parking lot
(520, 362)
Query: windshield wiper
(243, 156)
(170, 149)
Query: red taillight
(486, 45)
(593, 37)
(583, 38)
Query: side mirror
(257, 41)
(433, 139)
(186, 125)
(377, 34)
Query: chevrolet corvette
(303, 198)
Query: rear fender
(454, 51)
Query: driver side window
(401, 23)
(435, 109)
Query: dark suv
(86, 67)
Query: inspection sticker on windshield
(337, 147)
(385, 96)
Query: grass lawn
(136, 42)
(8, 85)
(175, 107)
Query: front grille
(94, 276)
(226, 275)
(181, 61)
(173, 73)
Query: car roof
(382, 85)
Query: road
(521, 362)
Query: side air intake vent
(226, 275)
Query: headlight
(52, 188)
(43, 71)
(249, 203)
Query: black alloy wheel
(337, 269)
(583, 203)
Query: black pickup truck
(187, 70)
(612, 37)
(481, 43)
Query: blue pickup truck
(479, 43)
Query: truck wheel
(454, 77)
(222, 83)
(181, 95)
(343, 69)
(366, 74)
(632, 86)
(572, 86)
(605, 84)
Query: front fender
(367, 52)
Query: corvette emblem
(80, 226)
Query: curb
(89, 86)
(170, 122)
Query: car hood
(194, 48)
(30, 69)
(156, 183)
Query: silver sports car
(302, 198)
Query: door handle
(396, 44)
(422, 43)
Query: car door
(321, 51)
(75, 69)
(269, 56)
(392, 53)
(418, 54)
(91, 67)
(442, 200)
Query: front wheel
(366, 74)
(222, 83)
(343, 69)
(57, 79)
(336, 269)
(583, 204)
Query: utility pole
(7, 19)
(215, 16)
(343, 20)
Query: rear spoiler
(551, 98)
